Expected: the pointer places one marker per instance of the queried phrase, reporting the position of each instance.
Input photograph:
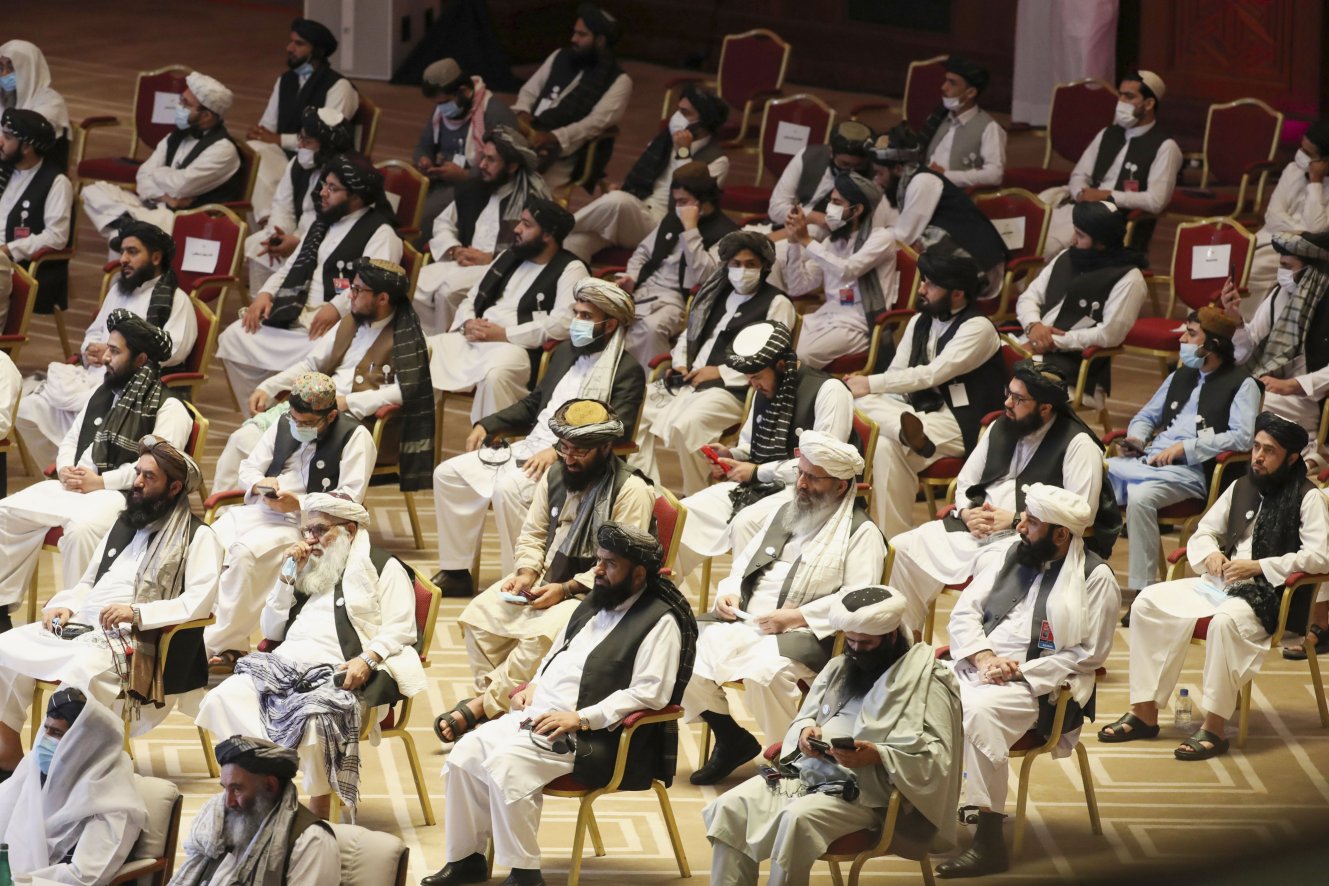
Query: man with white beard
(256, 830)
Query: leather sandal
(1319, 635)
(469, 721)
(224, 662)
(1198, 751)
(1138, 730)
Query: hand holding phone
(843, 743)
(711, 455)
(818, 745)
(518, 599)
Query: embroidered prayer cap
(552, 218)
(759, 346)
(635, 544)
(176, 465)
(586, 423)
(513, 146)
(759, 244)
(599, 22)
(153, 238)
(1288, 434)
(1215, 321)
(329, 126)
(875, 610)
(66, 704)
(606, 296)
(29, 127)
(833, 456)
(1045, 382)
(381, 275)
(338, 505)
(314, 392)
(851, 137)
(951, 268)
(973, 73)
(258, 756)
(1102, 220)
(1154, 87)
(858, 189)
(1057, 506)
(712, 111)
(210, 92)
(900, 145)
(140, 335)
(316, 34)
(357, 174)
(442, 74)
(1309, 245)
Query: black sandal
(1200, 752)
(1293, 653)
(468, 717)
(1138, 730)
(224, 662)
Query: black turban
(1046, 383)
(153, 238)
(712, 111)
(357, 174)
(859, 189)
(759, 346)
(1288, 434)
(851, 137)
(635, 544)
(258, 756)
(316, 34)
(951, 268)
(331, 139)
(66, 704)
(600, 23)
(734, 242)
(1103, 221)
(973, 73)
(552, 218)
(30, 128)
(140, 335)
(1318, 133)
(384, 276)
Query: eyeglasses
(316, 531)
(812, 478)
(563, 448)
(332, 189)
(307, 425)
(357, 288)
(1016, 398)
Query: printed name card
(163, 108)
(1211, 262)
(1011, 231)
(790, 138)
(201, 255)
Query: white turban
(873, 610)
(838, 459)
(336, 506)
(210, 93)
(331, 117)
(1155, 84)
(1055, 505)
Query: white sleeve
(606, 113)
(974, 343)
(253, 468)
(719, 169)
(993, 151)
(66, 455)
(1315, 212)
(965, 628)
(11, 385)
(920, 202)
(1084, 167)
(445, 232)
(862, 566)
(203, 565)
(1278, 215)
(281, 212)
(55, 217)
(654, 669)
(1082, 472)
(342, 96)
(1208, 535)
(210, 169)
(876, 250)
(173, 424)
(1119, 315)
(396, 601)
(802, 274)
(182, 324)
(319, 359)
(971, 472)
(146, 184)
(1313, 555)
(531, 89)
(832, 414)
(1029, 306)
(1162, 180)
(269, 119)
(556, 323)
(104, 843)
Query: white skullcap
(331, 117)
(840, 460)
(1055, 505)
(210, 93)
(1155, 84)
(336, 506)
(875, 610)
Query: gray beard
(241, 826)
(323, 572)
(804, 520)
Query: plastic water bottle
(1183, 715)
(6, 878)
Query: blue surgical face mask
(448, 109)
(45, 751)
(305, 70)
(181, 117)
(9, 82)
(582, 332)
(1190, 356)
(302, 435)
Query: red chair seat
(112, 169)
(1034, 178)
(1028, 741)
(746, 198)
(1182, 510)
(1154, 333)
(612, 256)
(390, 720)
(566, 783)
(1202, 203)
(53, 536)
(1201, 631)
(942, 469)
(852, 844)
(847, 363)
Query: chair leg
(1022, 797)
(836, 878)
(667, 810)
(1317, 681)
(926, 864)
(1087, 780)
(705, 743)
(62, 331)
(418, 773)
(597, 843)
(1244, 717)
(29, 466)
(34, 721)
(416, 534)
(32, 592)
(704, 599)
(208, 755)
(334, 808)
(579, 841)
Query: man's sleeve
(1103, 604)
(1209, 533)
(444, 233)
(784, 194)
(203, 565)
(1029, 305)
(1119, 315)
(654, 672)
(396, 600)
(210, 169)
(1162, 180)
(104, 844)
(608, 111)
(1083, 172)
(530, 550)
(1313, 555)
(863, 566)
(1240, 429)
(974, 343)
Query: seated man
(592, 366)
(701, 396)
(1087, 297)
(1133, 163)
(96, 460)
(157, 567)
(25, 84)
(577, 94)
(1038, 439)
(310, 292)
(377, 357)
(1242, 564)
(896, 711)
(966, 145)
(1206, 406)
(256, 829)
(146, 286)
(480, 223)
(523, 300)
(1299, 203)
(806, 183)
(346, 625)
(627, 647)
(758, 475)
(193, 166)
(854, 268)
(772, 631)
(625, 215)
(71, 812)
(315, 448)
(36, 205)
(1039, 613)
(675, 256)
(511, 626)
(932, 397)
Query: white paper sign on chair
(1211, 262)
(201, 256)
(790, 138)
(163, 107)
(1011, 231)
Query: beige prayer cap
(1057, 506)
(875, 610)
(838, 459)
(1154, 82)
(443, 72)
(210, 93)
(336, 505)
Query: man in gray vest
(807, 181)
(1040, 613)
(963, 142)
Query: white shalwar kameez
(55, 213)
(996, 716)
(1163, 617)
(251, 357)
(991, 165)
(895, 467)
(27, 515)
(1120, 312)
(1296, 205)
(282, 215)
(659, 299)
(32, 653)
(495, 774)
(499, 370)
(255, 535)
(442, 284)
(272, 158)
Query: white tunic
(992, 148)
(607, 112)
(1120, 312)
(1156, 193)
(359, 403)
(54, 213)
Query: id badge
(959, 395)
(459, 159)
(340, 285)
(542, 107)
(847, 297)
(20, 233)
(1131, 186)
(1045, 640)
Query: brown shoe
(913, 435)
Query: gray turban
(259, 756)
(635, 544)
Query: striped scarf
(130, 417)
(770, 427)
(1284, 342)
(410, 356)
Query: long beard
(242, 825)
(1275, 479)
(1027, 425)
(578, 481)
(1035, 553)
(596, 346)
(335, 213)
(609, 596)
(323, 573)
(141, 511)
(868, 667)
(810, 513)
(526, 249)
(139, 277)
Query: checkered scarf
(131, 416)
(1286, 337)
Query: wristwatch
(583, 725)
(369, 660)
(683, 153)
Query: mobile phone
(338, 678)
(771, 774)
(843, 743)
(269, 492)
(711, 455)
(514, 598)
(274, 240)
(818, 745)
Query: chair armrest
(1113, 436)
(609, 272)
(50, 470)
(659, 359)
(946, 511)
(1263, 166)
(225, 496)
(176, 379)
(772, 751)
(216, 281)
(110, 266)
(239, 207)
(866, 107)
(46, 253)
(1229, 456)
(97, 122)
(513, 693)
(1027, 262)
(1177, 555)
(645, 718)
(386, 412)
(191, 625)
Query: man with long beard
(890, 713)
(346, 625)
(510, 627)
(256, 830)
(627, 647)
(769, 627)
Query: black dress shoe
(6, 623)
(525, 877)
(986, 856)
(454, 582)
(727, 756)
(471, 869)
(913, 435)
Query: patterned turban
(1312, 246)
(336, 505)
(759, 346)
(875, 610)
(258, 756)
(358, 175)
(635, 544)
(384, 276)
(851, 137)
(176, 465)
(1046, 383)
(586, 423)
(151, 236)
(316, 34)
(1288, 434)
(140, 335)
(606, 296)
(836, 458)
(1057, 506)
(733, 243)
(29, 127)
(858, 189)
(513, 146)
(210, 93)
(66, 704)
(552, 218)
(314, 392)
(443, 74)
(1215, 321)
(329, 127)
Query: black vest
(99, 406)
(755, 309)
(1080, 295)
(1141, 151)
(341, 262)
(325, 467)
(973, 231)
(669, 237)
(1245, 508)
(985, 385)
(187, 668)
(805, 404)
(471, 200)
(1216, 396)
(816, 160)
(30, 212)
(300, 177)
(231, 189)
(292, 98)
(539, 296)
(561, 569)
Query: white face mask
(949, 103)
(677, 123)
(1124, 115)
(1287, 279)
(744, 280)
(305, 157)
(1303, 160)
(835, 219)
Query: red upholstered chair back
(21, 300)
(1237, 135)
(207, 338)
(801, 110)
(1010, 357)
(922, 89)
(751, 62)
(364, 125)
(1007, 208)
(669, 515)
(1079, 110)
(1206, 239)
(410, 262)
(169, 80)
(406, 182)
(906, 265)
(213, 223)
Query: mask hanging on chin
(950, 103)
(1191, 356)
(304, 69)
(1124, 115)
